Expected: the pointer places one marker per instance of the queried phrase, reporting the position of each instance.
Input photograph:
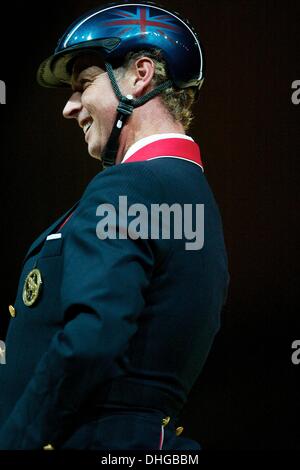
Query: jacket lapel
(40, 240)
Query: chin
(95, 152)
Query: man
(110, 329)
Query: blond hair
(178, 101)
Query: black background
(248, 131)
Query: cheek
(96, 102)
(89, 100)
(101, 104)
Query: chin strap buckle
(124, 110)
(125, 105)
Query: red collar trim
(168, 148)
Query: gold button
(166, 420)
(48, 447)
(179, 430)
(12, 311)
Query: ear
(144, 69)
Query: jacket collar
(164, 146)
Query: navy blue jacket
(122, 327)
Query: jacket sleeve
(102, 294)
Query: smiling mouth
(87, 126)
(86, 130)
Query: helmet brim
(56, 70)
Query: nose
(73, 106)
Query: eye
(84, 83)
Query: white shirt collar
(152, 138)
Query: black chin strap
(124, 110)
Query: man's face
(93, 102)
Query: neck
(151, 118)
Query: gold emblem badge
(32, 287)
